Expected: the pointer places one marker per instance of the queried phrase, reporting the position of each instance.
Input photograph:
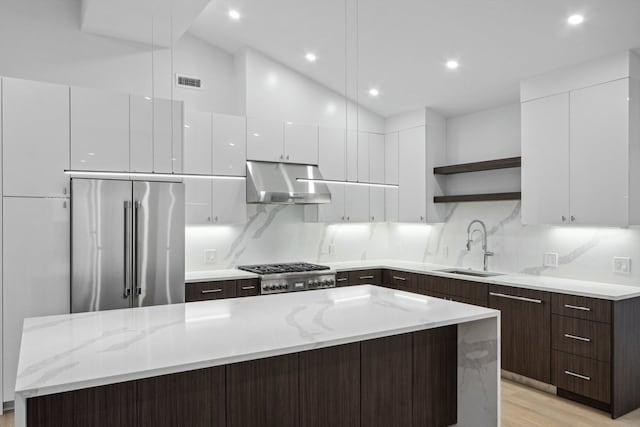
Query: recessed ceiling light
(575, 19)
(452, 64)
(374, 92)
(311, 57)
(234, 14)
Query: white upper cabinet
(352, 155)
(155, 135)
(599, 142)
(35, 135)
(229, 202)
(277, 141)
(332, 165)
(300, 143)
(229, 145)
(412, 175)
(197, 143)
(332, 154)
(99, 130)
(377, 175)
(141, 133)
(208, 149)
(581, 144)
(198, 160)
(357, 196)
(391, 176)
(545, 160)
(265, 140)
(168, 124)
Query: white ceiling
(152, 22)
(404, 44)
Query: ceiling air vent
(188, 82)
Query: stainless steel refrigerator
(127, 244)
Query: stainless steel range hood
(276, 183)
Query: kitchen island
(356, 356)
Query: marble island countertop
(75, 351)
(585, 288)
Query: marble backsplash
(279, 234)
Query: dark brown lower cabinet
(406, 380)
(106, 406)
(194, 398)
(435, 380)
(263, 392)
(330, 387)
(525, 319)
(387, 381)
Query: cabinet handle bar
(533, 300)
(575, 337)
(211, 291)
(576, 307)
(582, 377)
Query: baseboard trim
(529, 382)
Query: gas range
(292, 277)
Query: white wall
(41, 40)
(485, 135)
(277, 92)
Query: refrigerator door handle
(127, 252)
(136, 280)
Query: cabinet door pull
(211, 291)
(564, 218)
(248, 288)
(366, 277)
(573, 218)
(341, 279)
(576, 307)
(533, 300)
(582, 377)
(575, 337)
(399, 278)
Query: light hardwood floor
(526, 407)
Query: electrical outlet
(210, 256)
(332, 249)
(621, 265)
(550, 259)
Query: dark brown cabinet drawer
(365, 277)
(203, 291)
(247, 287)
(454, 287)
(581, 337)
(525, 326)
(342, 278)
(581, 307)
(586, 377)
(400, 280)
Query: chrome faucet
(486, 252)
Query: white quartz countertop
(585, 288)
(228, 274)
(74, 351)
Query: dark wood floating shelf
(478, 197)
(510, 162)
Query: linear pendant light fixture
(362, 184)
(80, 173)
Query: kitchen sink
(469, 272)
